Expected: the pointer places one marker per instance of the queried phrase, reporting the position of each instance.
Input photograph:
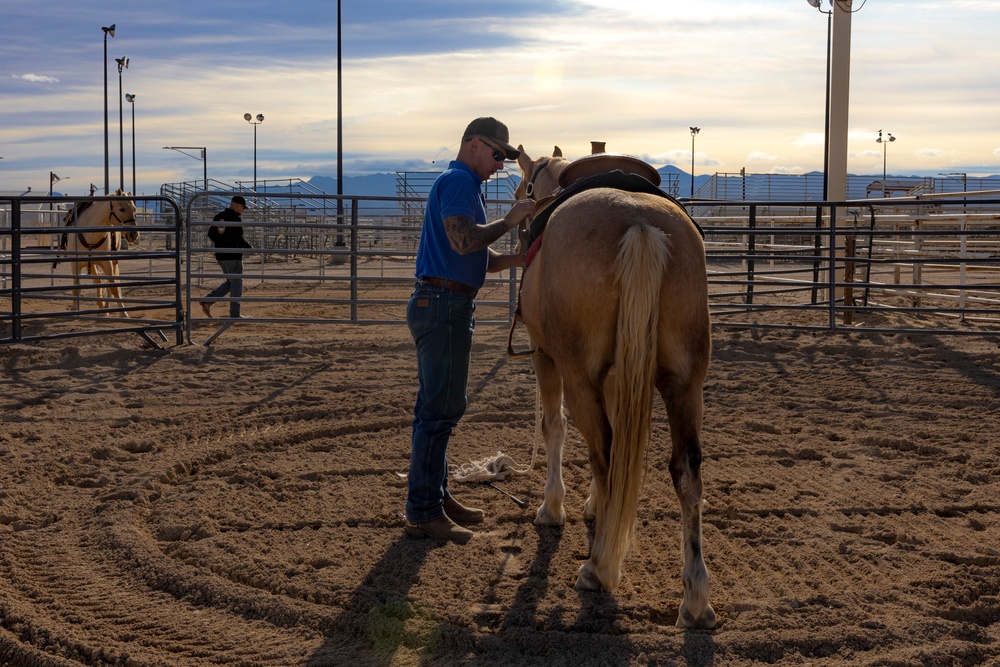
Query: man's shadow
(389, 580)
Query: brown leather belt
(444, 283)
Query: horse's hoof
(546, 518)
(686, 621)
(586, 579)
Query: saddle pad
(76, 212)
(616, 179)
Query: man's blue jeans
(442, 323)
(233, 285)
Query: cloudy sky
(634, 73)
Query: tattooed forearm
(466, 236)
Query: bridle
(529, 189)
(114, 214)
(131, 236)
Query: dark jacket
(229, 237)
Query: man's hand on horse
(519, 212)
(521, 248)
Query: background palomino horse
(92, 249)
(615, 300)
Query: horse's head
(123, 213)
(539, 178)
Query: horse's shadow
(594, 637)
(518, 633)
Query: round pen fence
(900, 265)
(54, 282)
(927, 264)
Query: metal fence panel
(42, 295)
(887, 265)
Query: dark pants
(233, 285)
(442, 323)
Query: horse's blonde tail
(639, 268)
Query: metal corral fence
(43, 296)
(915, 264)
(349, 261)
(922, 264)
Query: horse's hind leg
(684, 402)
(550, 392)
(100, 295)
(587, 409)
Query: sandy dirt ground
(240, 504)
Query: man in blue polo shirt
(452, 261)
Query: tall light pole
(203, 157)
(122, 65)
(340, 135)
(694, 131)
(130, 98)
(250, 119)
(826, 123)
(107, 31)
(888, 138)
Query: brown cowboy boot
(442, 529)
(459, 513)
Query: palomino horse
(615, 301)
(92, 249)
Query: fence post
(751, 247)
(817, 248)
(354, 258)
(832, 280)
(963, 250)
(849, 244)
(15, 268)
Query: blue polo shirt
(457, 191)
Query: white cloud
(35, 78)
(778, 169)
(614, 71)
(809, 139)
(675, 157)
(866, 154)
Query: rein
(529, 191)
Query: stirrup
(526, 354)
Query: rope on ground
(499, 466)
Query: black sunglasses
(498, 155)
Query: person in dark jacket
(229, 236)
